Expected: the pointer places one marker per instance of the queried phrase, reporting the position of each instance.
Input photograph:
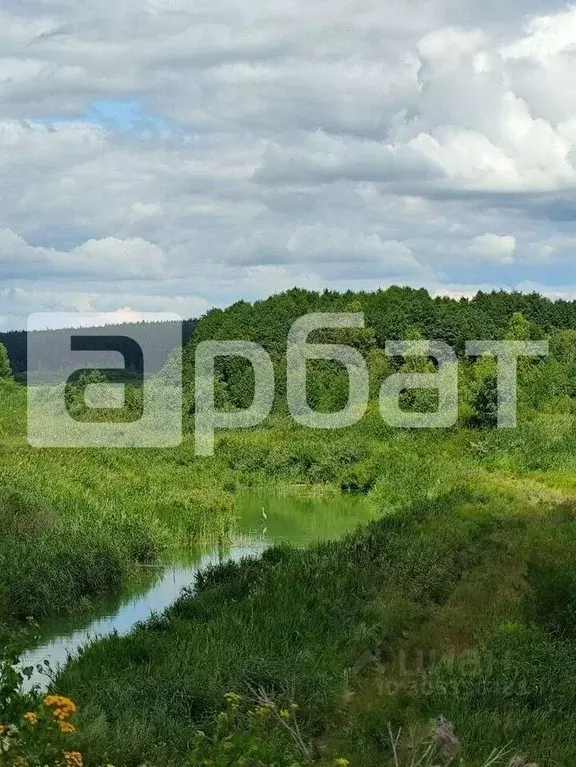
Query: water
(265, 519)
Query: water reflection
(264, 520)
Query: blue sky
(123, 116)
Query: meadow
(77, 521)
(457, 602)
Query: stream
(264, 519)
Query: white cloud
(107, 259)
(494, 247)
(132, 258)
(272, 144)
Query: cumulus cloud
(107, 259)
(494, 247)
(166, 156)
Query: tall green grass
(119, 507)
(473, 551)
(303, 625)
(76, 521)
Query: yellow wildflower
(340, 762)
(285, 714)
(66, 727)
(31, 717)
(62, 706)
(73, 759)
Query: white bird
(264, 515)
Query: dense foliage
(547, 384)
(390, 313)
(5, 368)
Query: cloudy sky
(170, 155)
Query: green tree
(521, 329)
(418, 400)
(5, 367)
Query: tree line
(16, 343)
(395, 313)
(406, 314)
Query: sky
(171, 155)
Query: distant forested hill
(389, 314)
(16, 343)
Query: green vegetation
(5, 368)
(345, 632)
(454, 607)
(75, 522)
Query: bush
(359, 478)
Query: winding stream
(264, 519)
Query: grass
(457, 601)
(361, 601)
(77, 521)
